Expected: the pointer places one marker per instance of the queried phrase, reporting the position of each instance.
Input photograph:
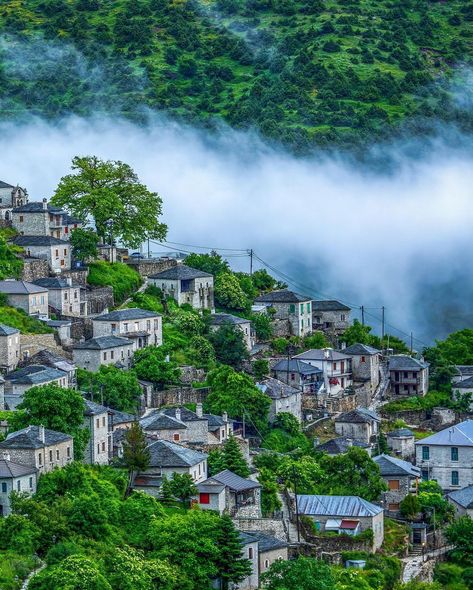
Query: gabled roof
(465, 384)
(329, 305)
(400, 432)
(221, 319)
(186, 414)
(463, 497)
(459, 435)
(216, 422)
(5, 185)
(39, 241)
(55, 283)
(160, 421)
(393, 466)
(464, 369)
(358, 416)
(361, 349)
(296, 366)
(120, 417)
(282, 296)
(102, 343)
(404, 362)
(93, 409)
(37, 207)
(337, 446)
(180, 272)
(7, 330)
(35, 375)
(266, 542)
(20, 288)
(131, 313)
(28, 438)
(233, 481)
(352, 506)
(10, 469)
(49, 359)
(322, 354)
(164, 453)
(276, 389)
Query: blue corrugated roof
(336, 506)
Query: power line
(209, 247)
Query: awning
(350, 524)
(333, 524)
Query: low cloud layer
(401, 239)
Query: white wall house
(336, 367)
(104, 350)
(186, 285)
(31, 298)
(292, 312)
(57, 252)
(9, 347)
(14, 478)
(141, 326)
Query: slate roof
(210, 487)
(120, 417)
(5, 185)
(358, 416)
(352, 506)
(282, 296)
(276, 389)
(361, 349)
(221, 319)
(35, 374)
(459, 435)
(28, 438)
(102, 343)
(463, 497)
(49, 359)
(246, 538)
(329, 305)
(186, 415)
(55, 283)
(180, 272)
(20, 288)
(394, 466)
(215, 422)
(161, 422)
(399, 432)
(234, 481)
(93, 409)
(39, 241)
(164, 453)
(404, 362)
(337, 446)
(464, 369)
(266, 542)
(7, 330)
(131, 313)
(318, 354)
(37, 206)
(465, 384)
(10, 469)
(296, 366)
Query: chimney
(327, 352)
(45, 204)
(41, 434)
(69, 281)
(344, 345)
(6, 456)
(199, 411)
(225, 417)
(178, 413)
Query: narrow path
(290, 527)
(413, 565)
(41, 566)
(139, 290)
(378, 398)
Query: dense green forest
(304, 72)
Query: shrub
(123, 279)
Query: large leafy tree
(212, 263)
(84, 243)
(236, 394)
(229, 293)
(460, 534)
(56, 408)
(76, 572)
(110, 193)
(182, 486)
(113, 387)
(304, 573)
(229, 344)
(152, 364)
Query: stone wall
(177, 396)
(33, 343)
(99, 300)
(189, 374)
(273, 526)
(147, 267)
(341, 404)
(78, 275)
(34, 269)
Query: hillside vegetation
(304, 72)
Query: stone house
(11, 197)
(36, 446)
(408, 376)
(19, 381)
(220, 428)
(96, 420)
(14, 478)
(186, 285)
(160, 426)
(340, 445)
(143, 327)
(335, 366)
(447, 456)
(120, 420)
(349, 515)
(167, 458)
(65, 297)
(197, 424)
(39, 218)
(360, 424)
(270, 550)
(250, 552)
(284, 398)
(9, 348)
(330, 316)
(462, 501)
(299, 374)
(292, 312)
(57, 252)
(401, 442)
(462, 372)
(401, 477)
(217, 320)
(228, 493)
(47, 358)
(26, 296)
(461, 388)
(104, 350)
(365, 364)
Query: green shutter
(292, 308)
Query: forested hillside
(305, 72)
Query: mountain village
(335, 451)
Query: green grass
(431, 400)
(14, 568)
(123, 279)
(17, 318)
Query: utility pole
(251, 262)
(362, 315)
(382, 327)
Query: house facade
(284, 398)
(462, 501)
(217, 320)
(65, 297)
(11, 197)
(228, 493)
(186, 285)
(141, 326)
(57, 252)
(220, 428)
(299, 374)
(14, 478)
(270, 550)
(292, 312)
(335, 366)
(31, 298)
(19, 381)
(408, 376)
(96, 420)
(360, 424)
(104, 350)
(330, 316)
(46, 358)
(39, 218)
(447, 456)
(402, 443)
(365, 364)
(9, 348)
(36, 446)
(401, 477)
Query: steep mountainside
(305, 72)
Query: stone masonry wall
(33, 343)
(177, 396)
(98, 300)
(272, 526)
(77, 275)
(34, 269)
(146, 268)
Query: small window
(266, 564)
(68, 451)
(57, 454)
(104, 356)
(342, 317)
(204, 498)
(51, 456)
(406, 374)
(98, 448)
(103, 420)
(31, 483)
(4, 488)
(40, 459)
(308, 308)
(425, 474)
(21, 218)
(455, 478)
(103, 447)
(66, 230)
(363, 359)
(97, 422)
(334, 366)
(176, 437)
(250, 552)
(425, 453)
(454, 453)
(65, 251)
(18, 485)
(65, 296)
(393, 484)
(57, 253)
(112, 354)
(292, 308)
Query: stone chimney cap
(199, 410)
(6, 456)
(178, 413)
(42, 434)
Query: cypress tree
(233, 458)
(135, 452)
(232, 566)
